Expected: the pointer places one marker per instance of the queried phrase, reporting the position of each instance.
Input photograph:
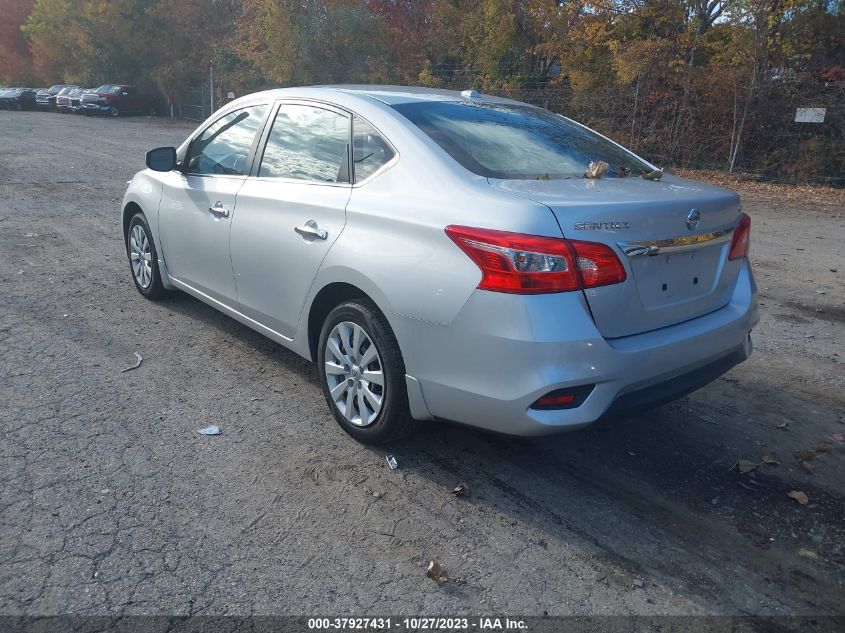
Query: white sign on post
(810, 115)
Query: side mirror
(162, 159)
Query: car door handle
(219, 210)
(310, 229)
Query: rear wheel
(143, 258)
(114, 111)
(363, 375)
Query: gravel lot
(111, 503)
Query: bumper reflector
(564, 398)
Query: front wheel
(114, 111)
(363, 375)
(143, 259)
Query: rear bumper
(503, 352)
(662, 392)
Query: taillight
(532, 264)
(742, 238)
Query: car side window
(223, 147)
(307, 143)
(370, 152)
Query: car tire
(114, 111)
(143, 258)
(342, 379)
(152, 111)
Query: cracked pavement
(111, 503)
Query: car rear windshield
(516, 142)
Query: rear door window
(307, 143)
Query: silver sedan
(448, 256)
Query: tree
(15, 58)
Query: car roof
(390, 95)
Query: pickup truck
(116, 99)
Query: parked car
(117, 99)
(45, 99)
(65, 97)
(76, 106)
(442, 255)
(18, 99)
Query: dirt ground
(111, 503)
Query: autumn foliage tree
(685, 82)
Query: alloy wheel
(354, 373)
(140, 256)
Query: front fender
(144, 192)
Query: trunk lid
(677, 270)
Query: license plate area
(668, 279)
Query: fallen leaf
(811, 453)
(806, 455)
(596, 169)
(799, 496)
(770, 458)
(435, 572)
(783, 426)
(461, 490)
(808, 467)
(808, 553)
(744, 466)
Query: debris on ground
(391, 461)
(838, 437)
(744, 466)
(809, 454)
(209, 430)
(435, 572)
(140, 359)
(783, 426)
(461, 490)
(639, 583)
(771, 459)
(657, 174)
(800, 496)
(808, 553)
(596, 169)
